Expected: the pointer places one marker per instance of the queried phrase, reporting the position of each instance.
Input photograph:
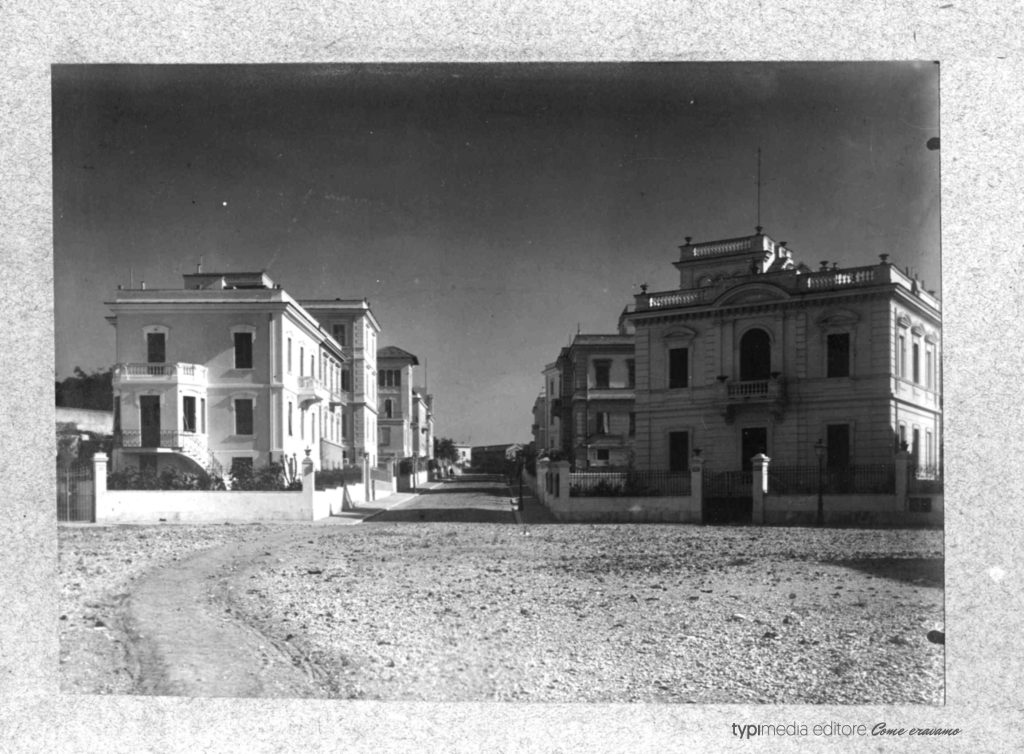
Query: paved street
(470, 498)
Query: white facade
(231, 369)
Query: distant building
(489, 459)
(422, 424)
(588, 402)
(757, 353)
(232, 371)
(395, 400)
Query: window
(632, 424)
(344, 426)
(631, 373)
(202, 415)
(389, 409)
(243, 350)
(302, 361)
(755, 356)
(838, 346)
(156, 347)
(389, 378)
(929, 379)
(188, 413)
(601, 423)
(678, 367)
(338, 331)
(289, 355)
(603, 454)
(929, 448)
(117, 413)
(902, 438)
(302, 424)
(243, 416)
(602, 373)
(915, 361)
(901, 356)
(915, 448)
(385, 435)
(346, 380)
(290, 409)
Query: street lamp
(819, 451)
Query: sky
(488, 212)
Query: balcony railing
(676, 298)
(721, 247)
(311, 390)
(160, 371)
(165, 438)
(748, 389)
(830, 279)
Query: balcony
(194, 445)
(161, 373)
(605, 394)
(770, 393)
(311, 390)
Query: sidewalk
(360, 512)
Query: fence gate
(76, 500)
(728, 498)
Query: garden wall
(153, 506)
(675, 510)
(853, 510)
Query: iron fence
(630, 484)
(727, 483)
(381, 474)
(925, 478)
(804, 480)
(76, 492)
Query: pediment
(752, 293)
(838, 318)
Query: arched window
(755, 355)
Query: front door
(149, 410)
(754, 441)
(678, 451)
(837, 458)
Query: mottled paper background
(982, 133)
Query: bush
(269, 478)
(170, 478)
(332, 478)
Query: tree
(445, 450)
(81, 390)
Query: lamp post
(819, 451)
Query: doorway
(753, 440)
(149, 415)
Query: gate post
(562, 479)
(759, 486)
(542, 480)
(99, 473)
(697, 485)
(99, 484)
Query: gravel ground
(97, 568)
(610, 613)
(458, 611)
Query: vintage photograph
(500, 382)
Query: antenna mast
(759, 188)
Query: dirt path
(187, 641)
